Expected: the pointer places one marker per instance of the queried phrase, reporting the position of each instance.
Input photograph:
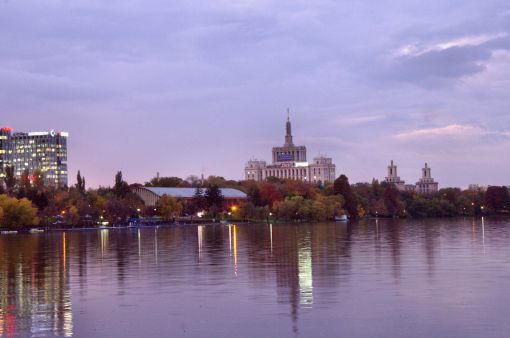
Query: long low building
(151, 195)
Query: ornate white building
(425, 185)
(393, 178)
(289, 162)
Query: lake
(385, 278)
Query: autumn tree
(270, 193)
(341, 186)
(168, 207)
(393, 205)
(17, 212)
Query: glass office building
(46, 151)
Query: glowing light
(64, 249)
(235, 250)
(234, 208)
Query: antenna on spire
(288, 114)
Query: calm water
(436, 278)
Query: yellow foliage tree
(168, 207)
(17, 213)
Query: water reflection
(35, 293)
(281, 275)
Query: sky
(191, 87)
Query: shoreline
(42, 229)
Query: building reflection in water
(483, 234)
(305, 274)
(271, 236)
(35, 295)
(200, 240)
(103, 241)
(301, 262)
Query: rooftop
(190, 192)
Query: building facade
(290, 162)
(45, 151)
(151, 195)
(425, 185)
(393, 177)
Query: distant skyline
(178, 87)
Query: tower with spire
(289, 162)
(288, 131)
(289, 152)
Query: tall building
(45, 151)
(425, 185)
(393, 177)
(289, 162)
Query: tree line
(29, 201)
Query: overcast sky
(185, 87)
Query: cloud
(448, 63)
(234, 66)
(452, 130)
(443, 61)
(459, 131)
(357, 120)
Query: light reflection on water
(434, 278)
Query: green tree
(25, 185)
(214, 199)
(38, 180)
(17, 212)
(167, 182)
(341, 186)
(496, 198)
(198, 202)
(80, 183)
(121, 188)
(168, 207)
(10, 179)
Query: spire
(288, 135)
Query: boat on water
(36, 231)
(341, 218)
(8, 232)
